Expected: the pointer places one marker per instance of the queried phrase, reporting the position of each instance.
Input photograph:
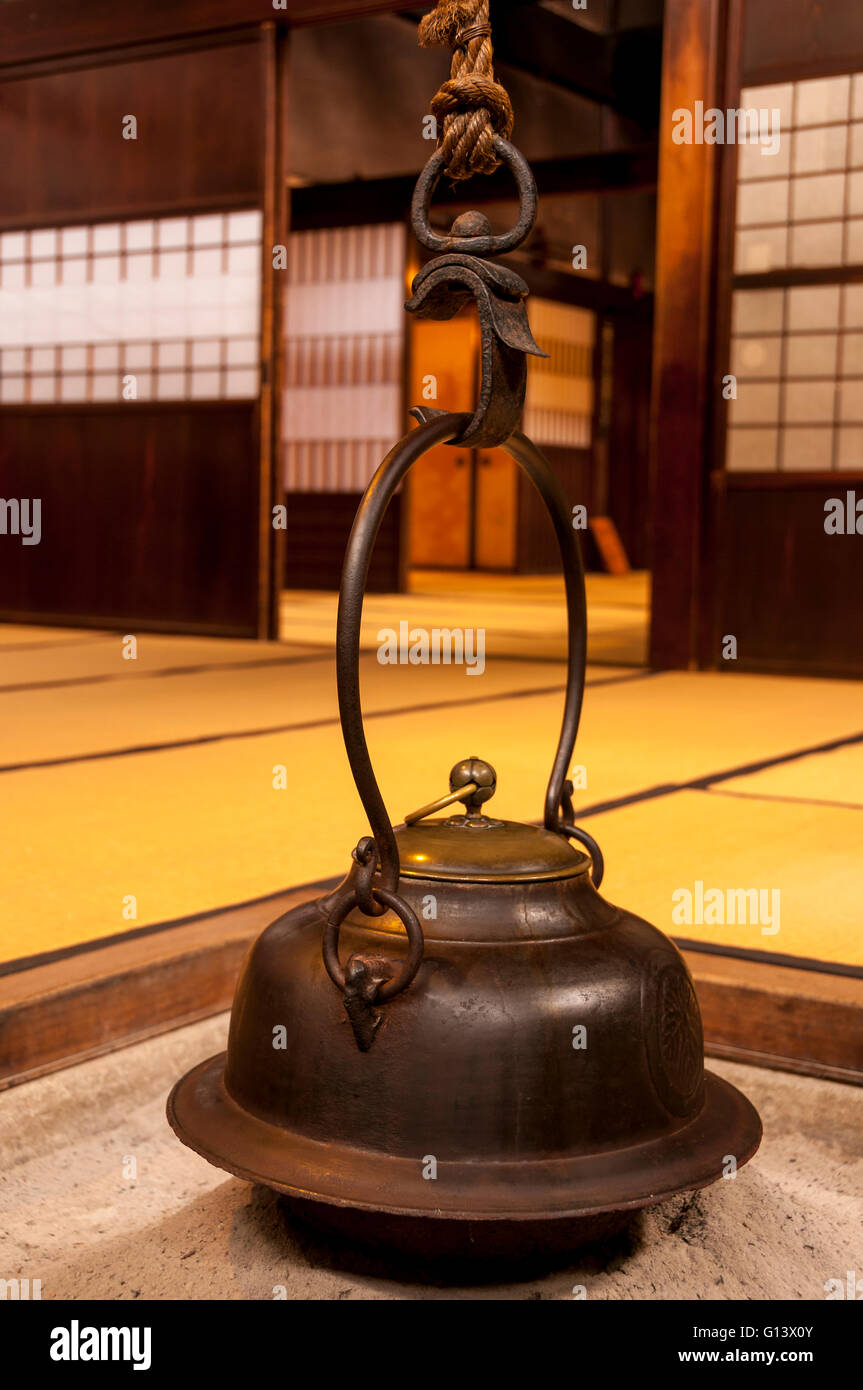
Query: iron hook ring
(412, 927)
(476, 245)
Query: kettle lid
(472, 847)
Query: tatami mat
(100, 657)
(809, 855)
(152, 779)
(630, 590)
(679, 726)
(16, 635)
(193, 828)
(234, 701)
(522, 617)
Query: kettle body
(542, 1078)
(542, 1023)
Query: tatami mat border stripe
(314, 652)
(101, 677)
(706, 783)
(325, 885)
(788, 800)
(135, 749)
(821, 967)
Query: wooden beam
(363, 201)
(600, 296)
(551, 48)
(622, 71)
(555, 50)
(780, 1017)
(684, 333)
(31, 30)
(794, 276)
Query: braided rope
(472, 105)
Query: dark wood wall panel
(789, 592)
(149, 516)
(797, 38)
(200, 144)
(32, 29)
(537, 551)
(319, 524)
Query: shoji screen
(558, 416)
(786, 586)
(163, 309)
(345, 330)
(797, 321)
(559, 401)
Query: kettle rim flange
(726, 1116)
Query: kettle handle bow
(439, 427)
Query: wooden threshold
(777, 1016)
(94, 1001)
(88, 1003)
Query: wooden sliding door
(440, 508)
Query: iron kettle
(465, 1048)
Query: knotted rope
(472, 105)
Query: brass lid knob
(472, 781)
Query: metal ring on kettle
(441, 430)
(411, 924)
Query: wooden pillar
(686, 265)
(276, 213)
